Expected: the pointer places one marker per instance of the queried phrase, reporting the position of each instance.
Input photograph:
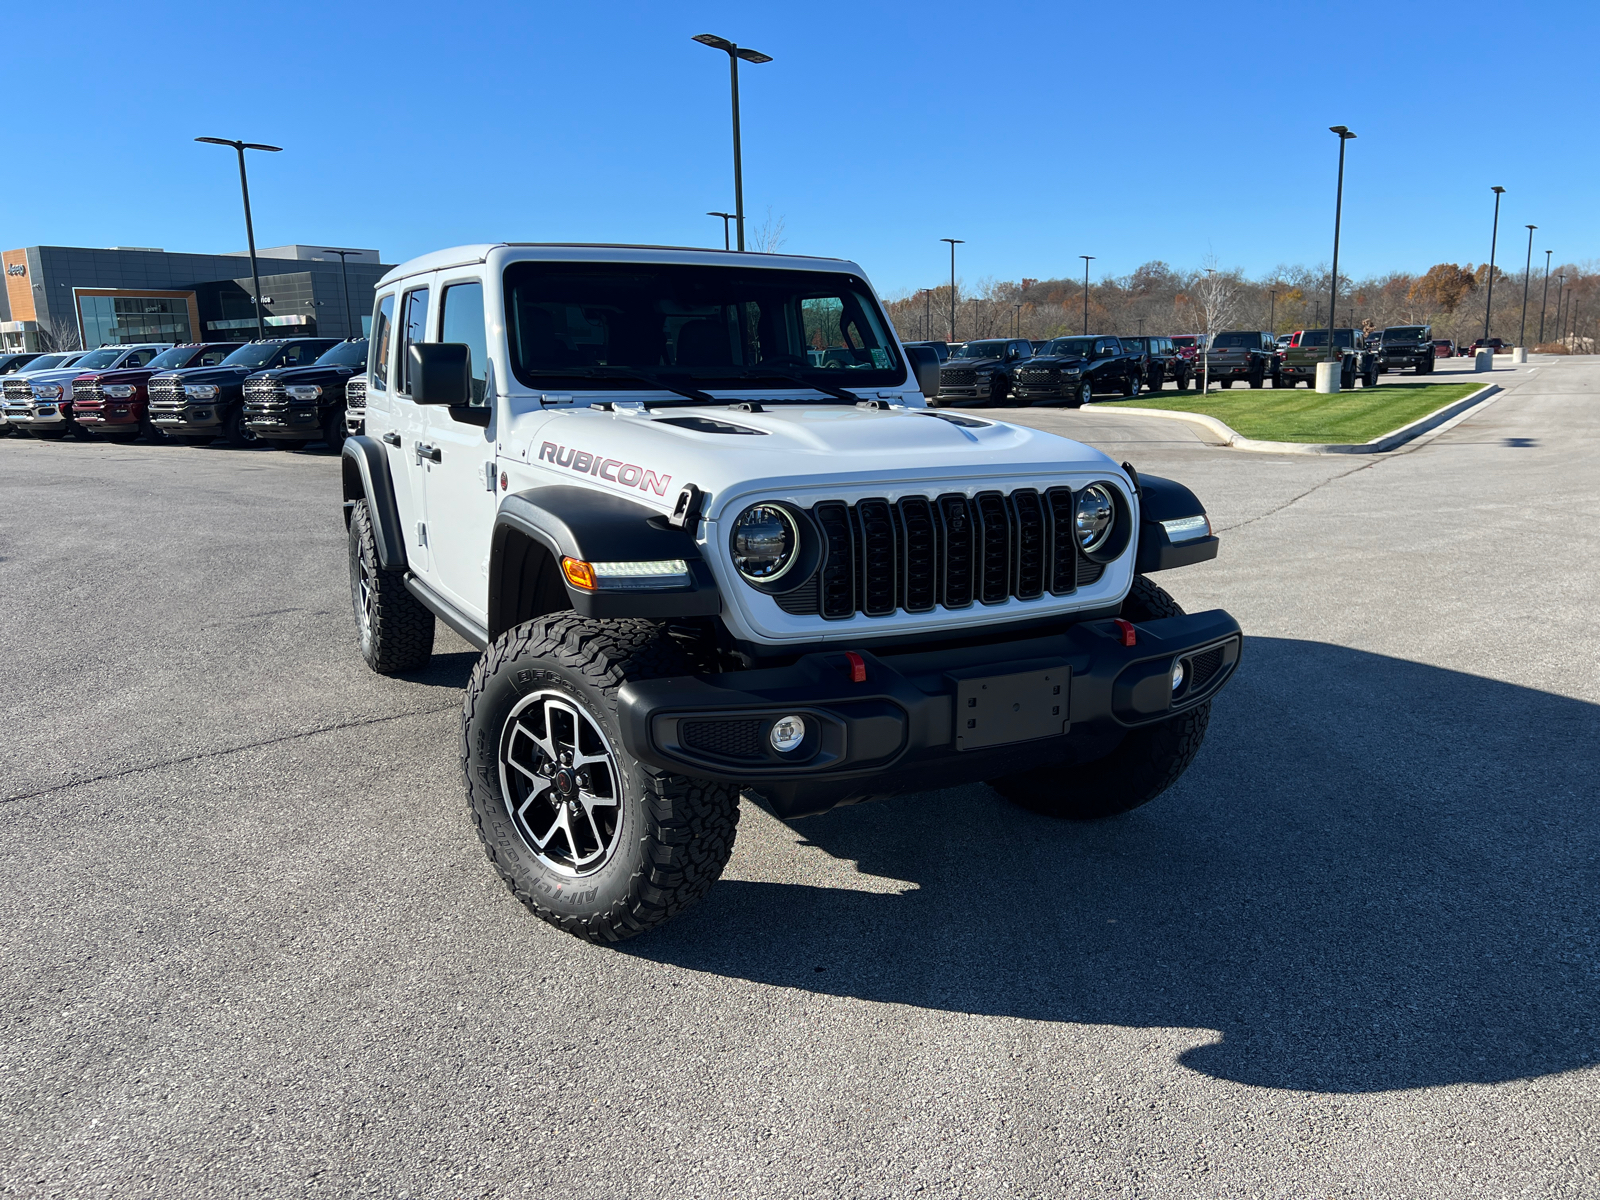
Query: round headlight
(1096, 512)
(765, 539)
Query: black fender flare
(1166, 500)
(536, 528)
(365, 468)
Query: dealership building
(58, 295)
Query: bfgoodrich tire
(396, 631)
(593, 841)
(1144, 764)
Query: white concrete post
(1328, 376)
(1483, 360)
(1519, 354)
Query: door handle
(429, 453)
(392, 439)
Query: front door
(459, 468)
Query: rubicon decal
(612, 469)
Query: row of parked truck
(1073, 370)
(287, 391)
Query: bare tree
(59, 334)
(769, 236)
(1216, 299)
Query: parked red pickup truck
(116, 402)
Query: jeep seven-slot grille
(919, 553)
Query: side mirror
(441, 373)
(924, 368)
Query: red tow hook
(1130, 635)
(858, 666)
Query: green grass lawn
(1302, 415)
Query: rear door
(407, 431)
(458, 465)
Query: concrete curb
(1389, 441)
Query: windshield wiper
(637, 376)
(827, 389)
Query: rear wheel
(1227, 383)
(1157, 376)
(1257, 379)
(396, 631)
(1144, 764)
(593, 841)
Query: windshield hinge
(749, 406)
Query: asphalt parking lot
(249, 945)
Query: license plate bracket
(1028, 702)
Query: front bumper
(98, 418)
(203, 416)
(278, 420)
(355, 421)
(927, 719)
(1399, 361)
(38, 416)
(978, 391)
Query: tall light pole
(249, 228)
(1544, 300)
(726, 217)
(1344, 136)
(344, 278)
(1272, 311)
(1494, 237)
(1561, 295)
(1087, 259)
(975, 311)
(1016, 320)
(735, 53)
(1527, 271)
(954, 242)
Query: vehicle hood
(307, 374)
(210, 374)
(1056, 360)
(53, 375)
(969, 362)
(803, 451)
(122, 375)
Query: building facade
(64, 296)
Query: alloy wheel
(561, 783)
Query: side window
(413, 329)
(298, 355)
(138, 358)
(378, 358)
(463, 322)
(210, 358)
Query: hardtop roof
(458, 256)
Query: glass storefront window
(126, 319)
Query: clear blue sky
(1035, 131)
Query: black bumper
(926, 719)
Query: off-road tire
(234, 430)
(1144, 764)
(1155, 377)
(397, 634)
(676, 833)
(1227, 383)
(1257, 379)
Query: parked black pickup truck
(205, 402)
(295, 405)
(1073, 369)
(1246, 354)
(1161, 360)
(1406, 346)
(982, 370)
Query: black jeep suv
(1160, 359)
(295, 405)
(1246, 354)
(1075, 368)
(205, 402)
(1406, 346)
(982, 370)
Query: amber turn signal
(579, 573)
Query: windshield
(690, 322)
(1133, 345)
(1185, 341)
(1235, 341)
(45, 361)
(1407, 333)
(981, 350)
(253, 354)
(345, 354)
(168, 360)
(1319, 337)
(1078, 347)
(96, 359)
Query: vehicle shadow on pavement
(1377, 875)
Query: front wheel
(333, 428)
(593, 841)
(1130, 386)
(396, 630)
(999, 390)
(1085, 395)
(235, 431)
(1144, 764)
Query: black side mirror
(924, 368)
(441, 373)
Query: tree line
(1158, 299)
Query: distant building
(59, 294)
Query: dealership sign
(16, 269)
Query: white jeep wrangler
(694, 509)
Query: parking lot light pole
(344, 279)
(975, 311)
(1544, 300)
(1561, 294)
(726, 217)
(249, 228)
(1087, 259)
(1272, 312)
(1527, 271)
(1494, 237)
(1016, 320)
(1338, 210)
(954, 242)
(735, 53)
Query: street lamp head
(240, 145)
(1344, 133)
(715, 42)
(954, 241)
(1532, 227)
(1497, 190)
(219, 142)
(262, 146)
(752, 56)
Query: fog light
(1177, 675)
(787, 734)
